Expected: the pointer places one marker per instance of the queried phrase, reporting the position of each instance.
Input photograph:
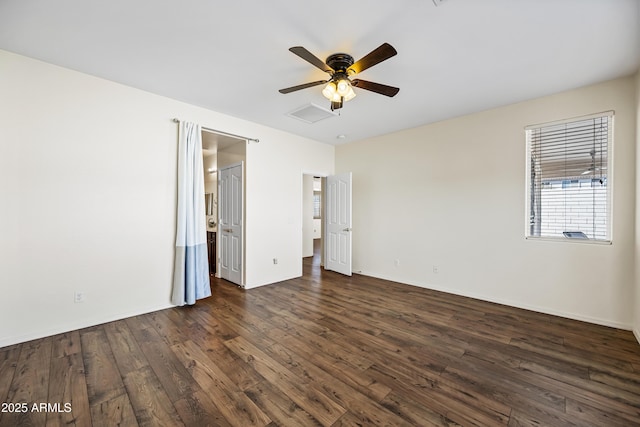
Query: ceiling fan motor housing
(340, 62)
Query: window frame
(609, 179)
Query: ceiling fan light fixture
(350, 94)
(330, 91)
(339, 91)
(343, 86)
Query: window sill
(568, 240)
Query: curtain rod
(222, 133)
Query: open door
(230, 223)
(338, 224)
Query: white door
(230, 223)
(338, 224)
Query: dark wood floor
(328, 350)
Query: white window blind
(568, 168)
(317, 212)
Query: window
(568, 165)
(317, 212)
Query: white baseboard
(637, 335)
(248, 286)
(72, 326)
(516, 304)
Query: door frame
(323, 178)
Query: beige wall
(88, 183)
(636, 326)
(232, 154)
(274, 204)
(451, 195)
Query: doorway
(312, 208)
(220, 151)
(327, 201)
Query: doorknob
(347, 229)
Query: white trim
(566, 239)
(322, 176)
(537, 309)
(72, 326)
(611, 173)
(609, 113)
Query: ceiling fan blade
(310, 58)
(302, 86)
(376, 87)
(376, 56)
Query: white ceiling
(232, 56)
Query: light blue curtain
(191, 269)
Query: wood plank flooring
(332, 351)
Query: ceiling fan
(341, 66)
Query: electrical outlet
(78, 297)
(435, 269)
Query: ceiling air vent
(311, 113)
